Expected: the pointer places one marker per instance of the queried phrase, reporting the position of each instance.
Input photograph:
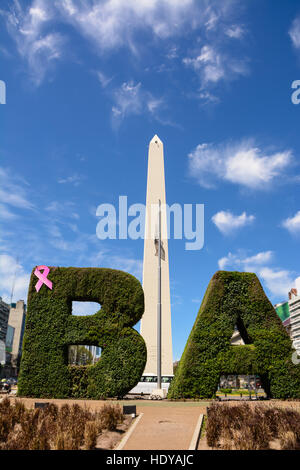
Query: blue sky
(88, 85)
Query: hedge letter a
(236, 299)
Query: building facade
(16, 321)
(4, 314)
(294, 307)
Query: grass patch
(203, 427)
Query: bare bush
(111, 416)
(245, 427)
(68, 428)
(90, 435)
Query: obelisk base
(158, 393)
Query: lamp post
(159, 302)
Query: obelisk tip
(156, 140)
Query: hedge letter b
(51, 328)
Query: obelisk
(155, 193)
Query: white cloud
(242, 163)
(206, 164)
(13, 275)
(130, 265)
(63, 233)
(248, 166)
(128, 99)
(13, 193)
(278, 281)
(5, 213)
(153, 104)
(172, 53)
(63, 209)
(228, 222)
(242, 261)
(37, 46)
(209, 63)
(207, 98)
(223, 262)
(235, 31)
(292, 224)
(104, 258)
(260, 258)
(103, 79)
(60, 239)
(113, 24)
(72, 179)
(132, 99)
(294, 32)
(214, 65)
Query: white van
(148, 383)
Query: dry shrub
(5, 405)
(6, 419)
(213, 428)
(40, 442)
(5, 427)
(111, 416)
(68, 428)
(245, 427)
(65, 441)
(288, 441)
(59, 441)
(14, 442)
(51, 411)
(289, 430)
(19, 410)
(90, 435)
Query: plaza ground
(160, 425)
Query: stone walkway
(165, 427)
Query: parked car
(12, 381)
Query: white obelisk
(155, 193)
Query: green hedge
(51, 328)
(234, 298)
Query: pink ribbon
(42, 277)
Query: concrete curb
(196, 435)
(129, 432)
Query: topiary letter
(234, 298)
(51, 328)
